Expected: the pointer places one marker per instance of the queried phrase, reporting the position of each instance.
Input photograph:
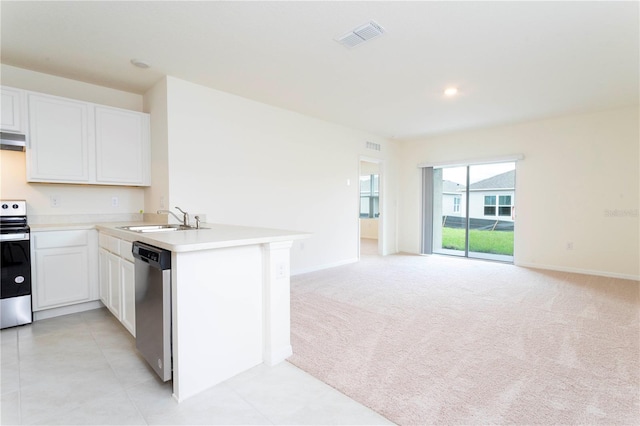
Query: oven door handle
(15, 237)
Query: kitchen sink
(158, 228)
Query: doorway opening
(472, 211)
(370, 224)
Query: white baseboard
(325, 266)
(274, 357)
(579, 271)
(66, 310)
(564, 269)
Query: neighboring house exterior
(494, 197)
(453, 199)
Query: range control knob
(5, 206)
(15, 206)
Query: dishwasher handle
(156, 257)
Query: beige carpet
(439, 340)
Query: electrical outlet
(281, 270)
(55, 201)
(115, 202)
(570, 245)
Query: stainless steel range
(15, 293)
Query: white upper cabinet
(122, 146)
(80, 142)
(13, 114)
(59, 140)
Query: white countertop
(213, 237)
(61, 226)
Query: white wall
(239, 161)
(246, 163)
(369, 228)
(45, 83)
(74, 199)
(579, 182)
(157, 195)
(368, 168)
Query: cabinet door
(59, 140)
(62, 277)
(13, 119)
(113, 265)
(127, 277)
(94, 267)
(122, 146)
(104, 276)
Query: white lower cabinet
(117, 276)
(65, 270)
(113, 264)
(104, 276)
(128, 316)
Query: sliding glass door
(473, 211)
(450, 211)
(491, 207)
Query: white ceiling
(512, 61)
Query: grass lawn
(496, 242)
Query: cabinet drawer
(54, 239)
(102, 241)
(125, 251)
(110, 243)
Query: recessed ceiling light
(140, 64)
(451, 91)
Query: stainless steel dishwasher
(153, 306)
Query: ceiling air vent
(372, 145)
(361, 34)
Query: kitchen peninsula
(229, 299)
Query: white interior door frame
(381, 188)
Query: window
(489, 205)
(456, 205)
(369, 196)
(504, 205)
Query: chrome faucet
(185, 215)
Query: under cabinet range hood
(12, 141)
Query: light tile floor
(84, 369)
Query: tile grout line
(126, 391)
(124, 388)
(88, 329)
(19, 377)
(251, 405)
